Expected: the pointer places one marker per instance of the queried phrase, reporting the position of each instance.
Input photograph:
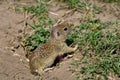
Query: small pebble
(19, 31)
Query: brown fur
(45, 55)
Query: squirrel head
(60, 31)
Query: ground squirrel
(45, 55)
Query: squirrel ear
(58, 34)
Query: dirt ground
(13, 63)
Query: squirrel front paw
(75, 48)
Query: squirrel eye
(65, 29)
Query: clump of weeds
(40, 35)
(101, 49)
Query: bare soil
(13, 63)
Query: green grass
(71, 3)
(40, 34)
(101, 50)
(40, 11)
(111, 1)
